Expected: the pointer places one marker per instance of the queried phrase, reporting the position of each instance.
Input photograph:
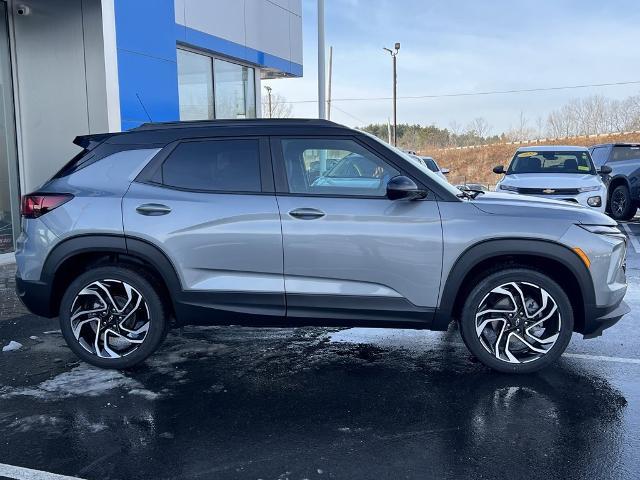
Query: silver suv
(304, 222)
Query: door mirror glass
(605, 170)
(499, 169)
(403, 187)
(445, 171)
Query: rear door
(349, 251)
(209, 206)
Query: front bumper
(599, 319)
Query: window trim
(280, 170)
(264, 163)
(213, 57)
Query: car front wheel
(518, 321)
(113, 317)
(620, 204)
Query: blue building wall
(147, 36)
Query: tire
(497, 292)
(621, 205)
(131, 335)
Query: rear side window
(623, 153)
(214, 165)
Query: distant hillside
(476, 163)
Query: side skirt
(268, 310)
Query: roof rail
(234, 123)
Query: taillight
(35, 205)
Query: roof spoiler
(89, 142)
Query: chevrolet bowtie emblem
(548, 190)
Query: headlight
(603, 230)
(594, 188)
(508, 188)
(594, 201)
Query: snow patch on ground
(12, 346)
(416, 341)
(39, 422)
(144, 393)
(80, 381)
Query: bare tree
(522, 130)
(280, 108)
(479, 127)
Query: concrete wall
(59, 68)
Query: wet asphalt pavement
(314, 403)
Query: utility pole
(394, 54)
(321, 63)
(330, 76)
(268, 89)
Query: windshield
(431, 164)
(414, 161)
(559, 161)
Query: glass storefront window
(234, 89)
(195, 86)
(214, 88)
(9, 218)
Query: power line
(353, 117)
(474, 94)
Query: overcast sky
(461, 46)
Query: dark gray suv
(623, 175)
(304, 222)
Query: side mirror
(605, 170)
(403, 187)
(499, 169)
(445, 171)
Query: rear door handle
(153, 209)
(307, 213)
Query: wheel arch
(615, 182)
(77, 254)
(483, 258)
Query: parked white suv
(558, 172)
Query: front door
(208, 206)
(349, 251)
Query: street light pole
(268, 89)
(322, 106)
(394, 54)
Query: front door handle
(153, 209)
(307, 213)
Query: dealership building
(75, 67)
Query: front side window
(214, 165)
(625, 152)
(552, 162)
(335, 167)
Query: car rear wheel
(620, 204)
(517, 321)
(113, 317)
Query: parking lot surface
(234, 402)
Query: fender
(133, 247)
(487, 249)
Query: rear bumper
(36, 296)
(600, 319)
